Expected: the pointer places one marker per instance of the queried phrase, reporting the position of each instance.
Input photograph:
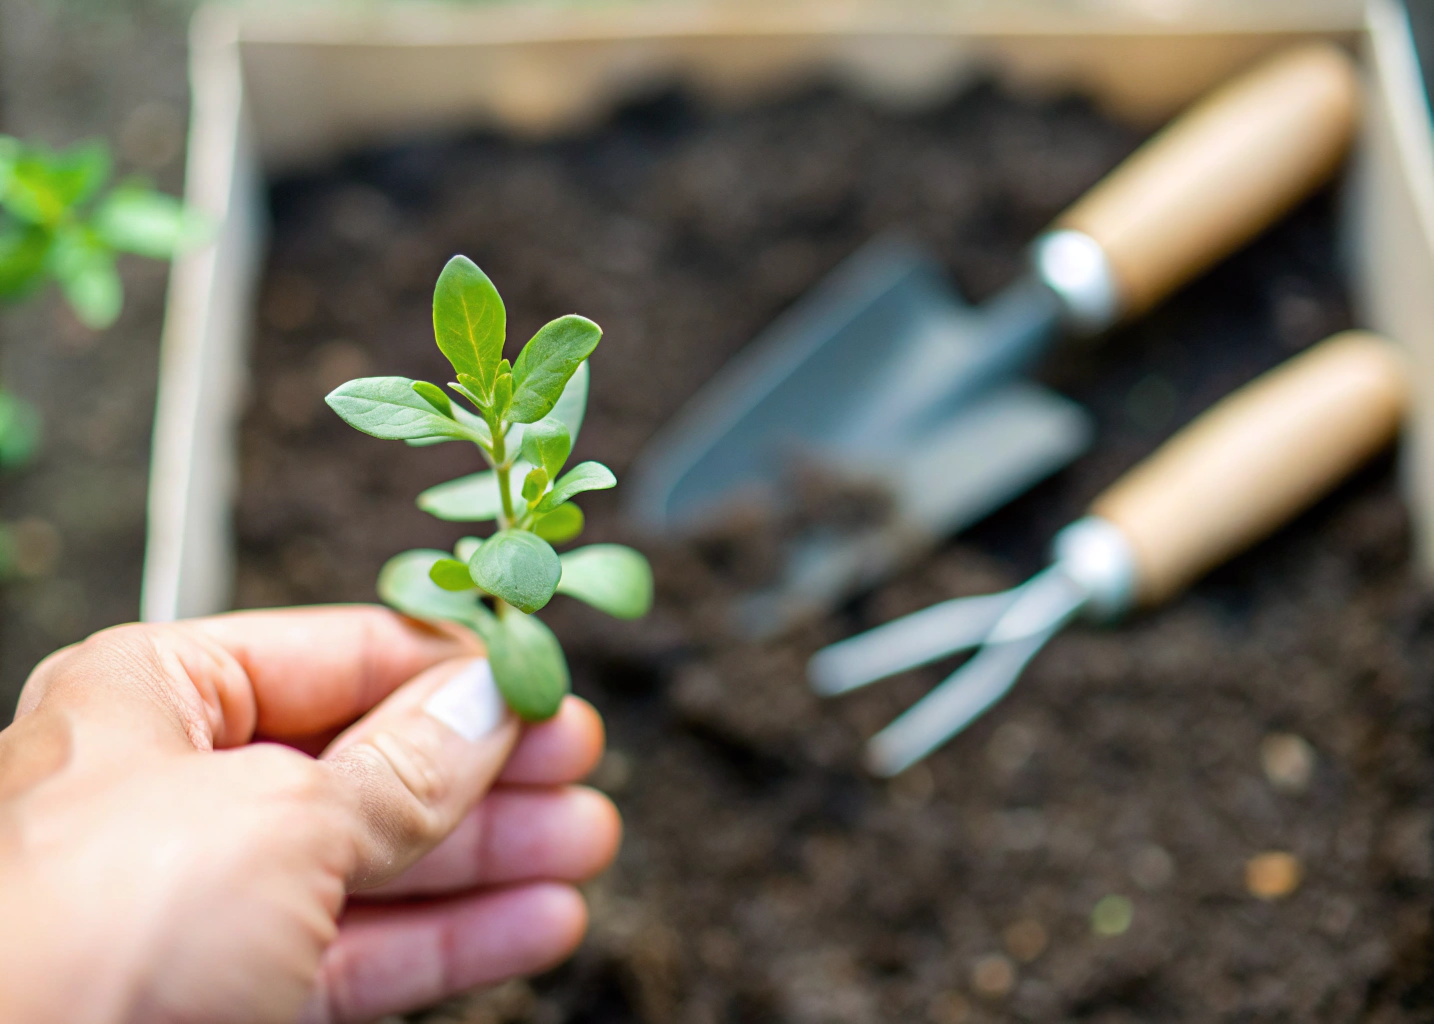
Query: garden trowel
(1222, 483)
(883, 378)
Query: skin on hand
(260, 817)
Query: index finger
(313, 670)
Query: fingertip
(598, 819)
(560, 913)
(565, 748)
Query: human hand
(186, 834)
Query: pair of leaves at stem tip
(470, 325)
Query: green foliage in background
(59, 223)
(524, 418)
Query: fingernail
(469, 703)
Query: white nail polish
(469, 703)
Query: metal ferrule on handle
(1100, 560)
(1254, 460)
(1210, 181)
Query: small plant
(527, 416)
(56, 225)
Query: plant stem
(504, 469)
(500, 607)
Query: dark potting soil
(1282, 706)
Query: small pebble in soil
(1288, 760)
(948, 1008)
(1273, 875)
(993, 976)
(1112, 916)
(1152, 867)
(1025, 940)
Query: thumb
(419, 761)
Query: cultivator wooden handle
(1220, 173)
(1257, 458)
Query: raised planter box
(277, 90)
(764, 876)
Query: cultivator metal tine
(907, 642)
(1042, 606)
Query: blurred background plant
(112, 71)
(55, 225)
(59, 222)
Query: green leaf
(19, 431)
(502, 395)
(585, 476)
(471, 388)
(24, 251)
(569, 411)
(477, 429)
(43, 186)
(389, 408)
(79, 171)
(574, 404)
(465, 549)
(519, 567)
(451, 574)
(610, 577)
(469, 499)
(136, 219)
(404, 584)
(534, 484)
(547, 443)
(469, 321)
(85, 268)
(560, 525)
(547, 363)
(528, 666)
(434, 396)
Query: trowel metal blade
(794, 389)
(990, 451)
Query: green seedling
(524, 419)
(59, 223)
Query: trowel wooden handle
(1256, 459)
(1221, 172)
